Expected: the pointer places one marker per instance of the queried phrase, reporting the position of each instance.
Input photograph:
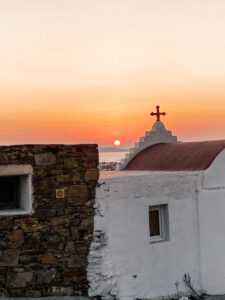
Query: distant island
(113, 149)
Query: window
(15, 190)
(158, 223)
(9, 192)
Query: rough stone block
(59, 222)
(3, 292)
(75, 261)
(86, 224)
(3, 245)
(92, 175)
(30, 225)
(33, 293)
(4, 159)
(40, 172)
(46, 276)
(32, 244)
(70, 163)
(34, 267)
(5, 224)
(75, 232)
(16, 238)
(77, 178)
(63, 179)
(70, 248)
(17, 280)
(77, 193)
(54, 242)
(60, 291)
(49, 259)
(9, 258)
(43, 185)
(45, 159)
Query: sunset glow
(117, 143)
(75, 71)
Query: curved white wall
(212, 240)
(214, 176)
(212, 227)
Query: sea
(111, 156)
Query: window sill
(14, 212)
(159, 240)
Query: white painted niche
(15, 190)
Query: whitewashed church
(161, 217)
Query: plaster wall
(122, 261)
(212, 240)
(212, 227)
(214, 176)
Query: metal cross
(158, 113)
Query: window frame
(25, 191)
(163, 223)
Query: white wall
(126, 264)
(212, 227)
(214, 176)
(212, 239)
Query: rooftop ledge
(119, 174)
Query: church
(159, 222)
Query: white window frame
(163, 223)
(24, 172)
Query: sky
(91, 71)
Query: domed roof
(190, 156)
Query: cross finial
(158, 113)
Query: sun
(117, 142)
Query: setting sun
(116, 142)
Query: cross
(158, 113)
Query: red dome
(190, 156)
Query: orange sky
(79, 71)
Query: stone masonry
(45, 253)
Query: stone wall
(45, 253)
